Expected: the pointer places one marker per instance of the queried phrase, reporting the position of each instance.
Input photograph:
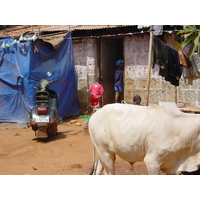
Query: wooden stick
(149, 64)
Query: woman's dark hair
(136, 98)
(99, 80)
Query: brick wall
(136, 50)
(136, 71)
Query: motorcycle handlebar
(53, 81)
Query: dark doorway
(110, 51)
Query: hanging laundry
(193, 72)
(187, 76)
(160, 53)
(184, 60)
(195, 60)
(158, 29)
(168, 60)
(174, 68)
(176, 45)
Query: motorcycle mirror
(49, 74)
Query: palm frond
(188, 29)
(191, 36)
(191, 50)
(187, 40)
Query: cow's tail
(94, 166)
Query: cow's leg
(98, 167)
(108, 162)
(152, 164)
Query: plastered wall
(84, 59)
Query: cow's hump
(171, 109)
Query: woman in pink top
(96, 90)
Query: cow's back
(124, 129)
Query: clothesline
(173, 64)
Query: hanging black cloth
(174, 69)
(160, 52)
(168, 60)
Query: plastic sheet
(21, 69)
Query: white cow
(164, 138)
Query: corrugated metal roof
(55, 31)
(79, 27)
(19, 30)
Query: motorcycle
(44, 116)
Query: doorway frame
(98, 69)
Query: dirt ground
(67, 153)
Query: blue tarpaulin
(21, 68)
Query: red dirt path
(67, 153)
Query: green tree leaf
(191, 50)
(191, 34)
(196, 41)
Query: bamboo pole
(176, 94)
(38, 29)
(149, 63)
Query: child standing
(96, 90)
(119, 81)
